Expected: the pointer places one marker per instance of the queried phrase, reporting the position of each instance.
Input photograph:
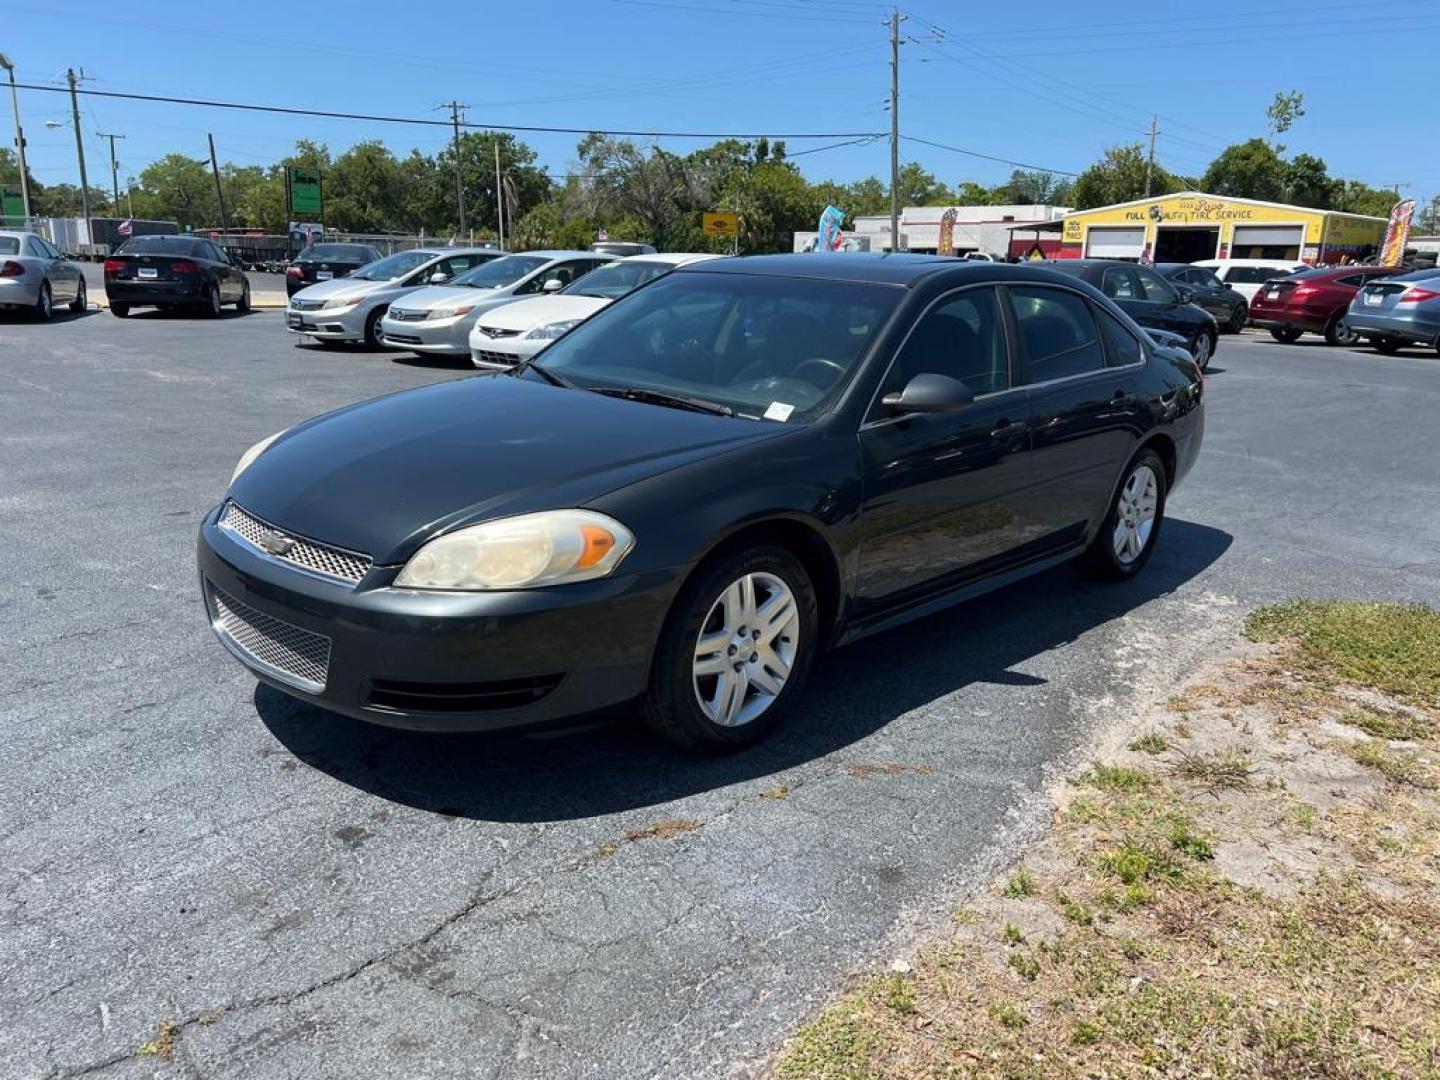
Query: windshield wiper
(660, 397)
(530, 364)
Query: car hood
(441, 296)
(383, 476)
(541, 311)
(325, 290)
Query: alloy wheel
(1201, 349)
(746, 649)
(1135, 514)
(45, 306)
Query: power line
(286, 110)
(987, 157)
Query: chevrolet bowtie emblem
(276, 543)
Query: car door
(61, 285)
(1082, 377)
(944, 496)
(223, 272)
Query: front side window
(961, 337)
(777, 347)
(1058, 334)
(1154, 287)
(614, 280)
(1204, 278)
(393, 266)
(1120, 283)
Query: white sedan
(507, 335)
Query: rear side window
(1121, 346)
(9, 245)
(1155, 287)
(1058, 334)
(960, 337)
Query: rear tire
(44, 303)
(120, 310)
(210, 302)
(1238, 319)
(1339, 333)
(737, 692)
(243, 304)
(1286, 335)
(1128, 535)
(81, 302)
(1202, 348)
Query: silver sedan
(35, 277)
(350, 308)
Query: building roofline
(1228, 198)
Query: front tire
(81, 302)
(1238, 319)
(372, 329)
(1202, 348)
(243, 304)
(1128, 535)
(1339, 333)
(735, 652)
(1286, 335)
(210, 302)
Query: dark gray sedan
(1398, 311)
(1207, 291)
(34, 276)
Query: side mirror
(928, 393)
(439, 277)
(1183, 294)
(553, 285)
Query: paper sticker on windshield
(779, 410)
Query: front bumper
(335, 324)
(1414, 325)
(502, 353)
(431, 660)
(444, 337)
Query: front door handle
(1007, 431)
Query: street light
(19, 137)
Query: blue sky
(1050, 83)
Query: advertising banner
(947, 233)
(304, 191)
(1397, 236)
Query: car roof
(873, 267)
(18, 233)
(563, 254)
(1210, 263)
(672, 258)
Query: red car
(1313, 301)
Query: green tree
(1358, 197)
(868, 196)
(774, 202)
(969, 193)
(177, 188)
(254, 196)
(1282, 113)
(1248, 170)
(1119, 176)
(918, 187)
(364, 189)
(525, 184)
(1033, 187)
(1308, 183)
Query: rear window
(1254, 275)
(159, 245)
(9, 245)
(346, 252)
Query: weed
(1152, 742)
(1121, 778)
(163, 1045)
(664, 829)
(839, 1045)
(1073, 910)
(896, 993)
(1085, 1034)
(1021, 884)
(1012, 934)
(965, 916)
(1025, 965)
(1009, 1014)
(1305, 815)
(1136, 862)
(1217, 769)
(1184, 840)
(1391, 724)
(1406, 767)
(779, 791)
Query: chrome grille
(286, 652)
(496, 332)
(318, 558)
(307, 305)
(486, 356)
(405, 315)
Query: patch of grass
(1025, 965)
(965, 916)
(779, 791)
(1138, 863)
(1126, 779)
(605, 850)
(1392, 648)
(1085, 1033)
(1074, 910)
(664, 829)
(897, 993)
(1009, 1015)
(1181, 703)
(1403, 767)
(864, 771)
(1152, 742)
(1305, 815)
(1012, 934)
(164, 1043)
(839, 1045)
(1020, 885)
(1183, 839)
(1390, 724)
(1217, 769)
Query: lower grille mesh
(284, 649)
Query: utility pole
(80, 151)
(895, 129)
(219, 194)
(499, 194)
(1150, 164)
(114, 169)
(19, 139)
(455, 107)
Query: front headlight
(344, 301)
(551, 331)
(254, 452)
(451, 312)
(521, 552)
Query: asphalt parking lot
(306, 896)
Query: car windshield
(615, 280)
(775, 347)
(1254, 275)
(393, 266)
(158, 245)
(9, 245)
(341, 252)
(497, 273)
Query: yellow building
(1190, 226)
